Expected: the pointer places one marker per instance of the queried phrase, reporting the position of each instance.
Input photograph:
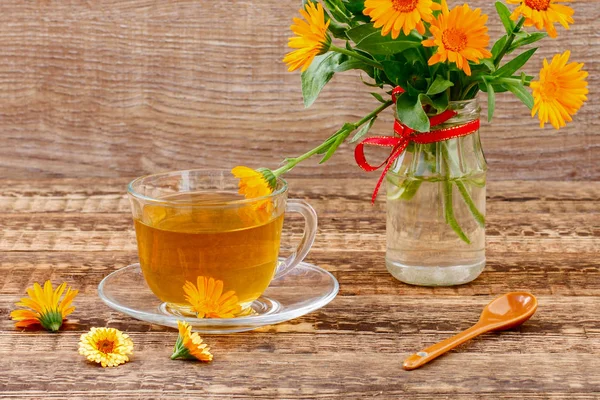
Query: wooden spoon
(505, 312)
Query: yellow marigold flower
(400, 15)
(108, 347)
(45, 305)
(190, 345)
(209, 301)
(560, 92)
(311, 40)
(253, 184)
(460, 36)
(543, 14)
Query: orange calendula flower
(46, 307)
(460, 36)
(108, 347)
(543, 14)
(311, 40)
(190, 345)
(209, 301)
(560, 92)
(254, 184)
(400, 15)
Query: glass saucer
(304, 289)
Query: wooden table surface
(543, 237)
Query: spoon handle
(436, 350)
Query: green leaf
(504, 14)
(522, 93)
(439, 85)
(396, 73)
(411, 56)
(338, 141)
(489, 64)
(498, 46)
(363, 130)
(353, 63)
(513, 65)
(371, 84)
(410, 111)
(491, 100)
(337, 10)
(498, 88)
(344, 130)
(410, 89)
(529, 39)
(370, 40)
(439, 102)
(360, 32)
(378, 97)
(337, 30)
(318, 74)
(356, 7)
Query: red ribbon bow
(407, 135)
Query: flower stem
(509, 41)
(465, 93)
(511, 80)
(354, 54)
(447, 193)
(346, 130)
(479, 218)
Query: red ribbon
(407, 135)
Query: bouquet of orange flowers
(421, 55)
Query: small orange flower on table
(46, 307)
(108, 347)
(190, 345)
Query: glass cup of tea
(193, 224)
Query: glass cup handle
(310, 231)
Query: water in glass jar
(422, 247)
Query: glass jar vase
(436, 208)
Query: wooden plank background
(117, 88)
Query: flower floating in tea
(108, 347)
(543, 14)
(311, 40)
(209, 301)
(190, 345)
(46, 307)
(560, 92)
(460, 36)
(400, 15)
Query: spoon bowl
(509, 311)
(505, 312)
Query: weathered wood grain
(121, 88)
(542, 236)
